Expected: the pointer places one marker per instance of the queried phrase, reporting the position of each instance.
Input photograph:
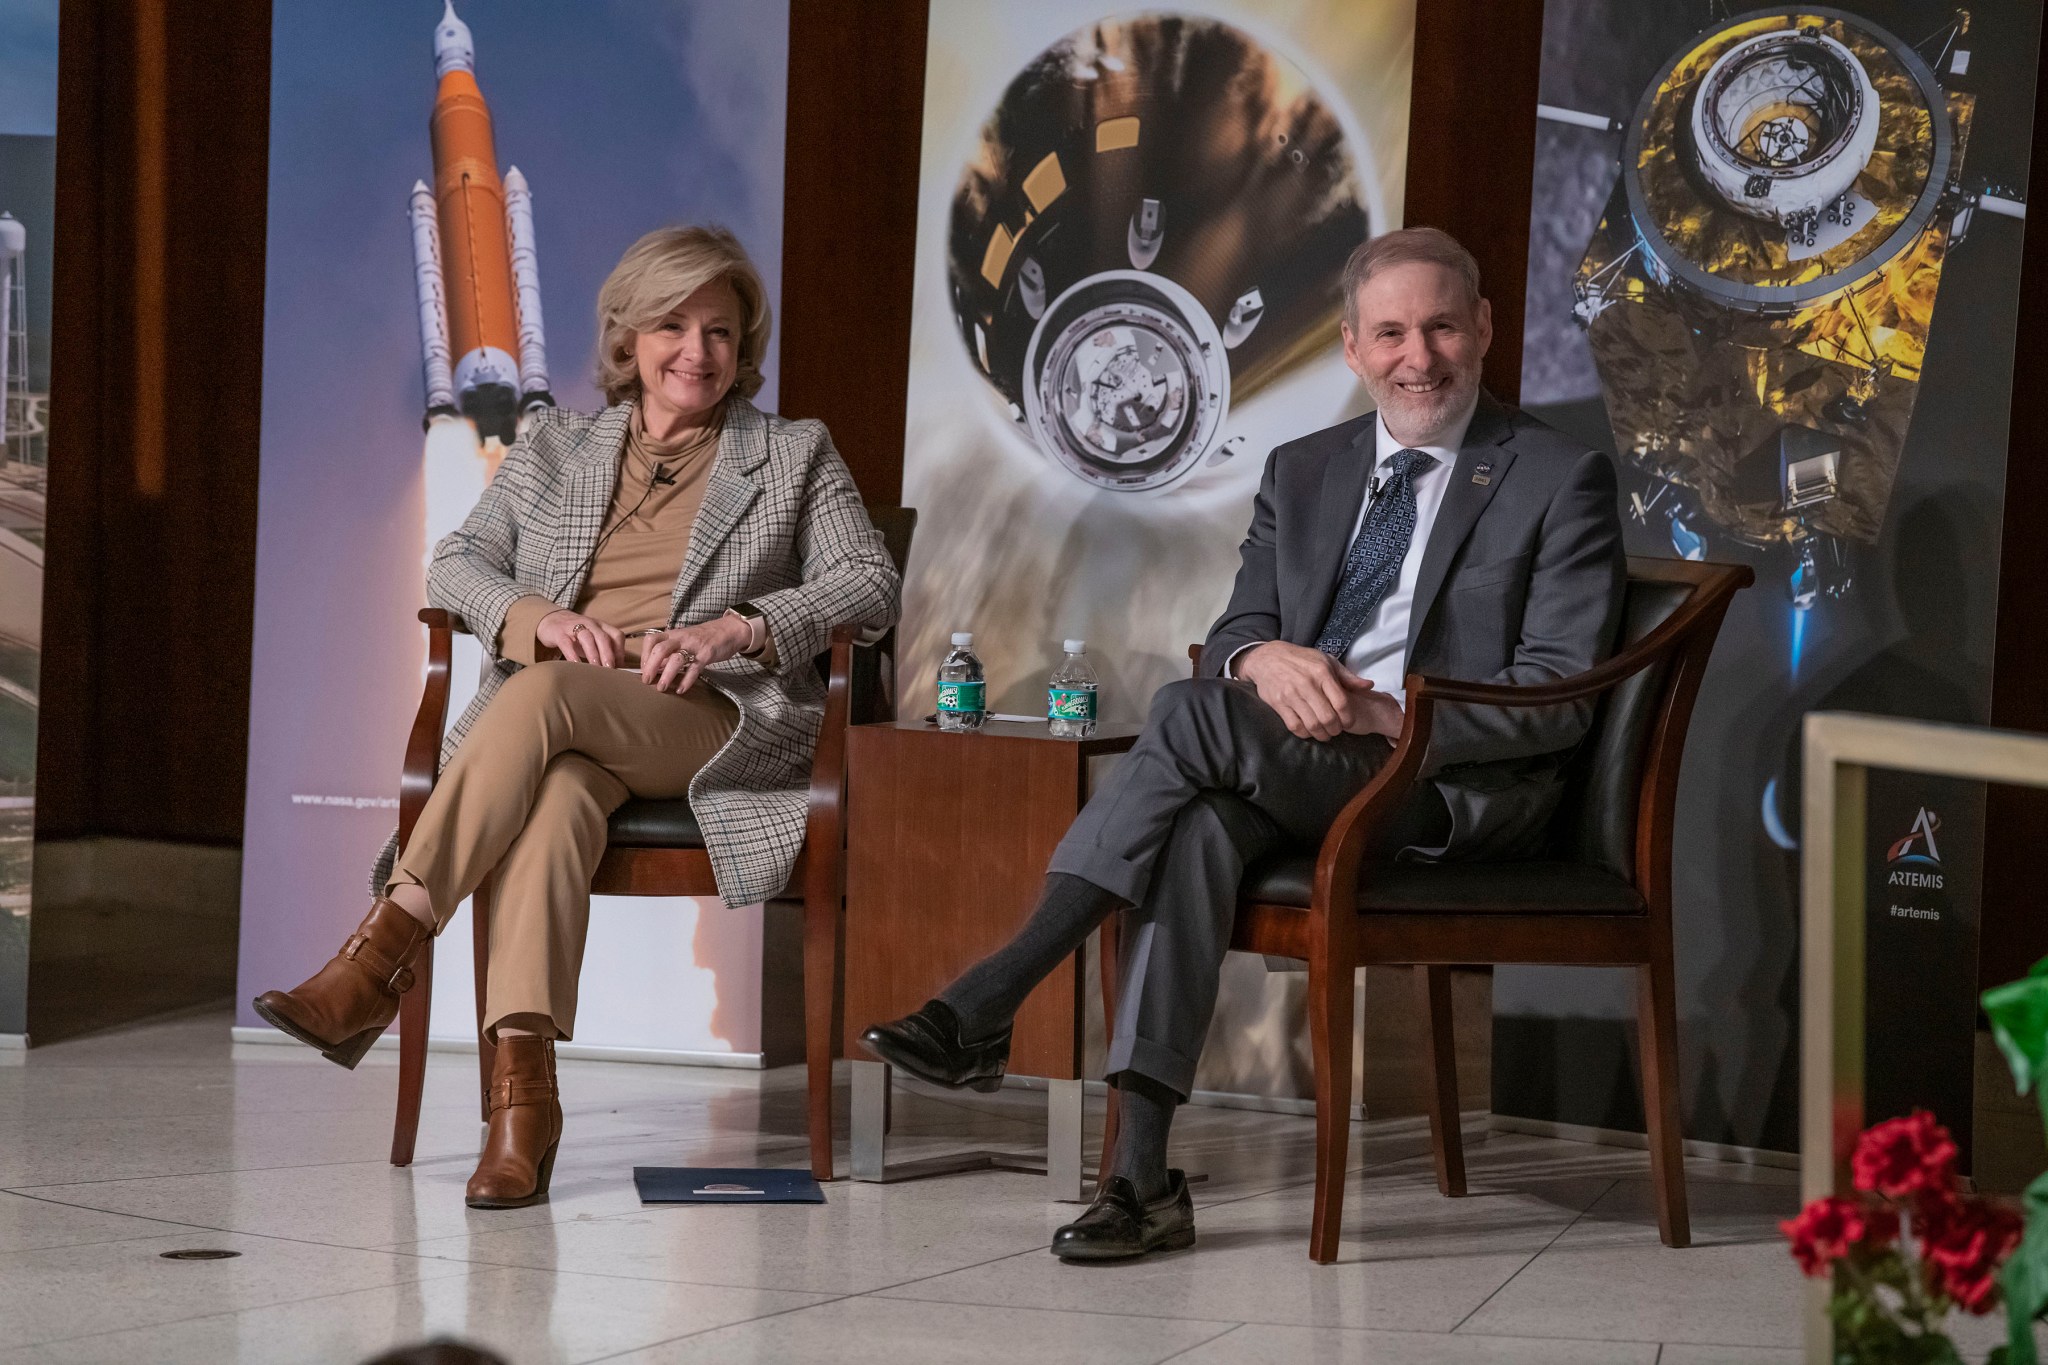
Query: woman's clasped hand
(673, 660)
(670, 660)
(581, 639)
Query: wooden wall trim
(149, 577)
(849, 226)
(2013, 933)
(1472, 150)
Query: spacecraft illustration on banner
(1759, 291)
(482, 341)
(1152, 228)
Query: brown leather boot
(526, 1127)
(351, 1000)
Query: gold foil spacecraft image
(1759, 291)
(1152, 229)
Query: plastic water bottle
(963, 695)
(1070, 695)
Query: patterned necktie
(1374, 564)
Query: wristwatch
(750, 613)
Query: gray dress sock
(1144, 1116)
(988, 995)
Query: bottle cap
(1075, 646)
(963, 638)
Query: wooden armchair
(1600, 895)
(656, 849)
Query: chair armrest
(423, 746)
(1652, 649)
(434, 618)
(1697, 618)
(824, 824)
(1343, 849)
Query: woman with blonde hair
(652, 583)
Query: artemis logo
(1917, 849)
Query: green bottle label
(963, 697)
(1070, 703)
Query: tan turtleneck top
(634, 572)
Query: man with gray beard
(1443, 534)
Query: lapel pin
(1482, 473)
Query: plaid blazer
(781, 526)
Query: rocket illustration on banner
(482, 342)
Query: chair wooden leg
(822, 919)
(414, 1007)
(1331, 984)
(1106, 969)
(480, 935)
(1657, 1022)
(1440, 1057)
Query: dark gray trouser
(1215, 781)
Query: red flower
(1905, 1156)
(1962, 1244)
(1828, 1229)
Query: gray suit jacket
(1521, 583)
(781, 526)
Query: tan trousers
(526, 797)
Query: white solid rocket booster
(533, 350)
(13, 243)
(426, 258)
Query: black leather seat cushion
(1493, 888)
(655, 824)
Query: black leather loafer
(928, 1045)
(1118, 1225)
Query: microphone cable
(661, 479)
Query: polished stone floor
(118, 1147)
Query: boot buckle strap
(507, 1094)
(397, 980)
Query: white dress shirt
(1381, 650)
(1380, 653)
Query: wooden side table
(948, 836)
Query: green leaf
(2018, 1012)
(2024, 1277)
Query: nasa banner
(28, 193)
(1773, 262)
(448, 189)
(1131, 223)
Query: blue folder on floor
(725, 1185)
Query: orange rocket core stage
(471, 199)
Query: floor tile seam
(206, 1227)
(1198, 1345)
(669, 1341)
(223, 1313)
(1306, 1181)
(894, 1297)
(694, 1284)
(1254, 1321)
(882, 1289)
(1636, 1341)
(90, 1241)
(400, 1247)
(187, 1175)
(1569, 1225)
(567, 1218)
(1303, 1182)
